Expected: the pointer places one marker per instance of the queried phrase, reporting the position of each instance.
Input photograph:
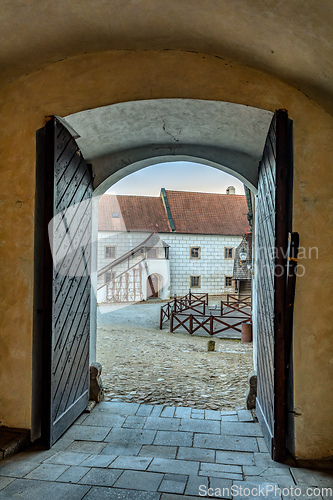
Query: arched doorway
(244, 165)
(153, 286)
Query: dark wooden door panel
(272, 229)
(67, 283)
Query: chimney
(231, 190)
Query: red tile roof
(192, 213)
(208, 213)
(136, 213)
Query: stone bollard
(211, 345)
(96, 390)
(252, 391)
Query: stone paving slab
(101, 477)
(241, 429)
(229, 418)
(121, 449)
(134, 422)
(172, 496)
(38, 490)
(159, 451)
(228, 443)
(245, 416)
(105, 419)
(208, 469)
(174, 438)
(67, 458)
(221, 486)
(167, 465)
(197, 413)
(91, 447)
(98, 461)
(213, 415)
(162, 424)
(157, 410)
(264, 459)
(64, 442)
(73, 474)
(168, 411)
(311, 477)
(183, 412)
(194, 483)
(87, 433)
(47, 472)
(17, 469)
(118, 408)
(98, 493)
(5, 481)
(202, 426)
(262, 445)
(128, 436)
(131, 463)
(173, 483)
(134, 480)
(196, 454)
(144, 410)
(235, 458)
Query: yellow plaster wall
(99, 79)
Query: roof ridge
(205, 192)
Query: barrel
(246, 335)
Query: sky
(177, 176)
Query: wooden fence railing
(239, 308)
(210, 324)
(234, 299)
(194, 302)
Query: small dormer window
(115, 215)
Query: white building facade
(135, 265)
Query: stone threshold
(12, 441)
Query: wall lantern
(243, 255)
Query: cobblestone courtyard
(146, 365)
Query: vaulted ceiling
(122, 138)
(290, 39)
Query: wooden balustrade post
(204, 309)
(221, 308)
(171, 322)
(191, 324)
(211, 325)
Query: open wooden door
(66, 323)
(272, 226)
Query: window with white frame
(195, 281)
(195, 252)
(110, 252)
